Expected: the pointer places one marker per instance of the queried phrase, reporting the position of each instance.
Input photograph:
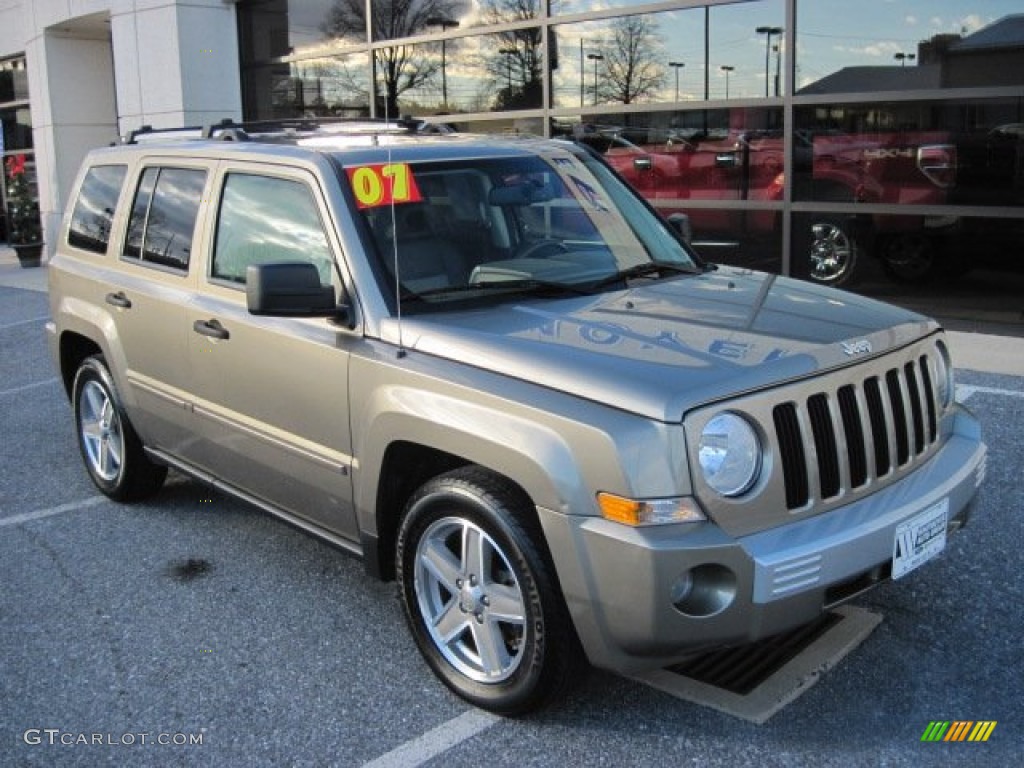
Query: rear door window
(163, 218)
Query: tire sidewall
(93, 369)
(439, 500)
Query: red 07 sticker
(384, 184)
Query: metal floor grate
(741, 670)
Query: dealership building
(878, 145)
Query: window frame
(299, 175)
(198, 227)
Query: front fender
(533, 455)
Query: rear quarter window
(93, 214)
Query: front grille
(844, 438)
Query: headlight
(943, 375)
(729, 454)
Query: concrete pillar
(176, 64)
(73, 110)
(100, 68)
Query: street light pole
(768, 32)
(778, 68)
(902, 57)
(595, 57)
(677, 65)
(727, 69)
(445, 24)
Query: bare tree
(401, 67)
(632, 68)
(518, 62)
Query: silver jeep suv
(486, 367)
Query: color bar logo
(958, 730)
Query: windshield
(455, 230)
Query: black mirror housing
(289, 289)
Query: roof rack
(287, 128)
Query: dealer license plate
(920, 539)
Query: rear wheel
(910, 258)
(111, 450)
(480, 593)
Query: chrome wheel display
(470, 600)
(833, 253)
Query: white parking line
(964, 391)
(435, 741)
(26, 517)
(24, 322)
(25, 387)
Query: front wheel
(111, 450)
(480, 593)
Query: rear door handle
(119, 300)
(211, 328)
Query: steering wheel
(533, 250)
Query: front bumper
(620, 583)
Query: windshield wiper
(526, 285)
(646, 269)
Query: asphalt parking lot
(194, 630)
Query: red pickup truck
(898, 167)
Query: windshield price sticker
(384, 184)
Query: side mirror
(680, 222)
(290, 289)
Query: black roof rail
(148, 130)
(230, 130)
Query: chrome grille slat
(847, 438)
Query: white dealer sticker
(920, 539)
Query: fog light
(711, 589)
(682, 588)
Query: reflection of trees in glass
(519, 59)
(401, 67)
(632, 61)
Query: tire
(910, 259)
(111, 449)
(492, 625)
(828, 250)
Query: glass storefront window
(13, 80)
(17, 129)
(657, 57)
(271, 29)
(905, 45)
(334, 86)
(486, 73)
(963, 152)
(686, 162)
(662, 57)
(964, 272)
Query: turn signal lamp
(649, 512)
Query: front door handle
(119, 300)
(211, 328)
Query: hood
(664, 347)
